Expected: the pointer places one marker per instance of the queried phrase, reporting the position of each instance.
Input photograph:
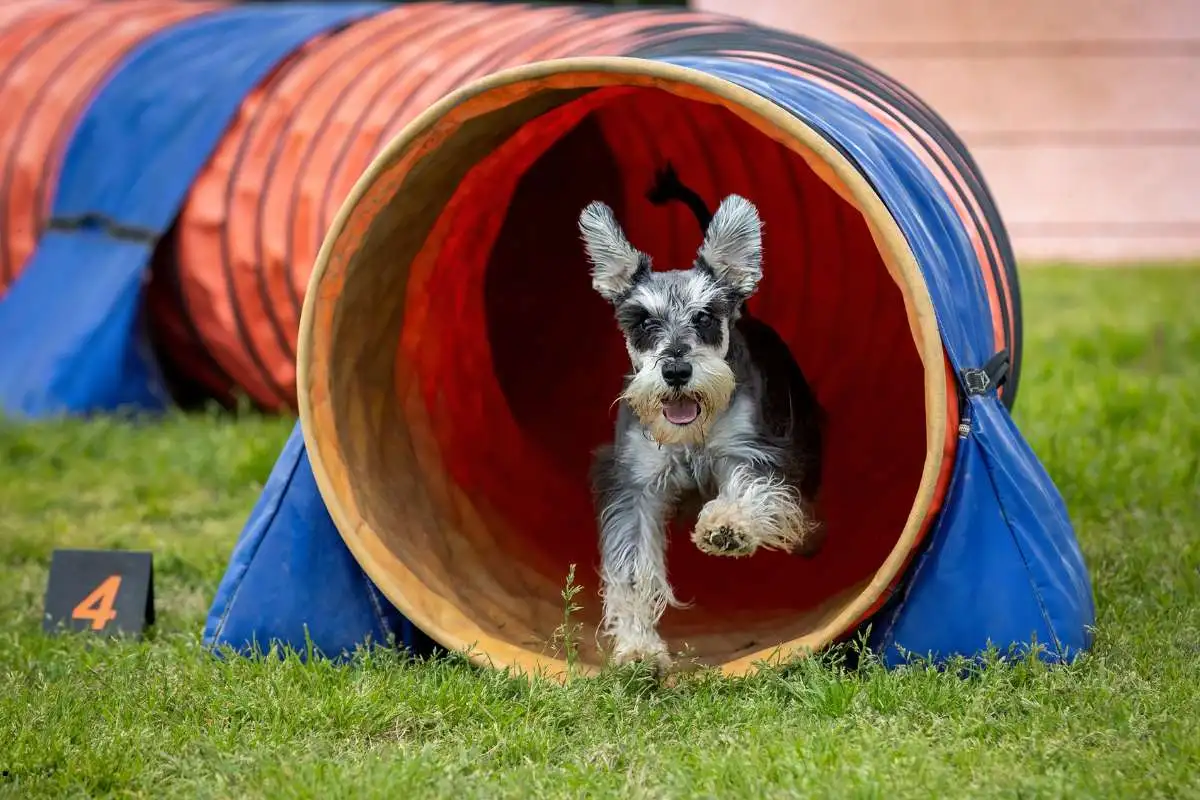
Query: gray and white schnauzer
(715, 411)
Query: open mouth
(681, 410)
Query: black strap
(113, 228)
(992, 375)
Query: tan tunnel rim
(902, 265)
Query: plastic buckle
(977, 381)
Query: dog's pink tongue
(682, 411)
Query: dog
(715, 412)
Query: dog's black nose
(676, 372)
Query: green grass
(1110, 400)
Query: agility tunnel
(340, 222)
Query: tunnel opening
(472, 369)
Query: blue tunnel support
(292, 581)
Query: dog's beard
(655, 403)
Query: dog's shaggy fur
(715, 411)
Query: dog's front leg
(634, 575)
(754, 507)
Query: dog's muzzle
(679, 409)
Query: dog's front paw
(723, 541)
(720, 531)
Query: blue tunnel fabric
(292, 581)
(72, 322)
(1002, 567)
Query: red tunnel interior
(519, 361)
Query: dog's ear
(732, 248)
(616, 264)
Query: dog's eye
(646, 324)
(702, 319)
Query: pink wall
(1084, 115)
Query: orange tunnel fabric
(512, 302)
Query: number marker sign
(107, 592)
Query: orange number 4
(98, 606)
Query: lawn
(1110, 399)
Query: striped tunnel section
(121, 103)
(53, 58)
